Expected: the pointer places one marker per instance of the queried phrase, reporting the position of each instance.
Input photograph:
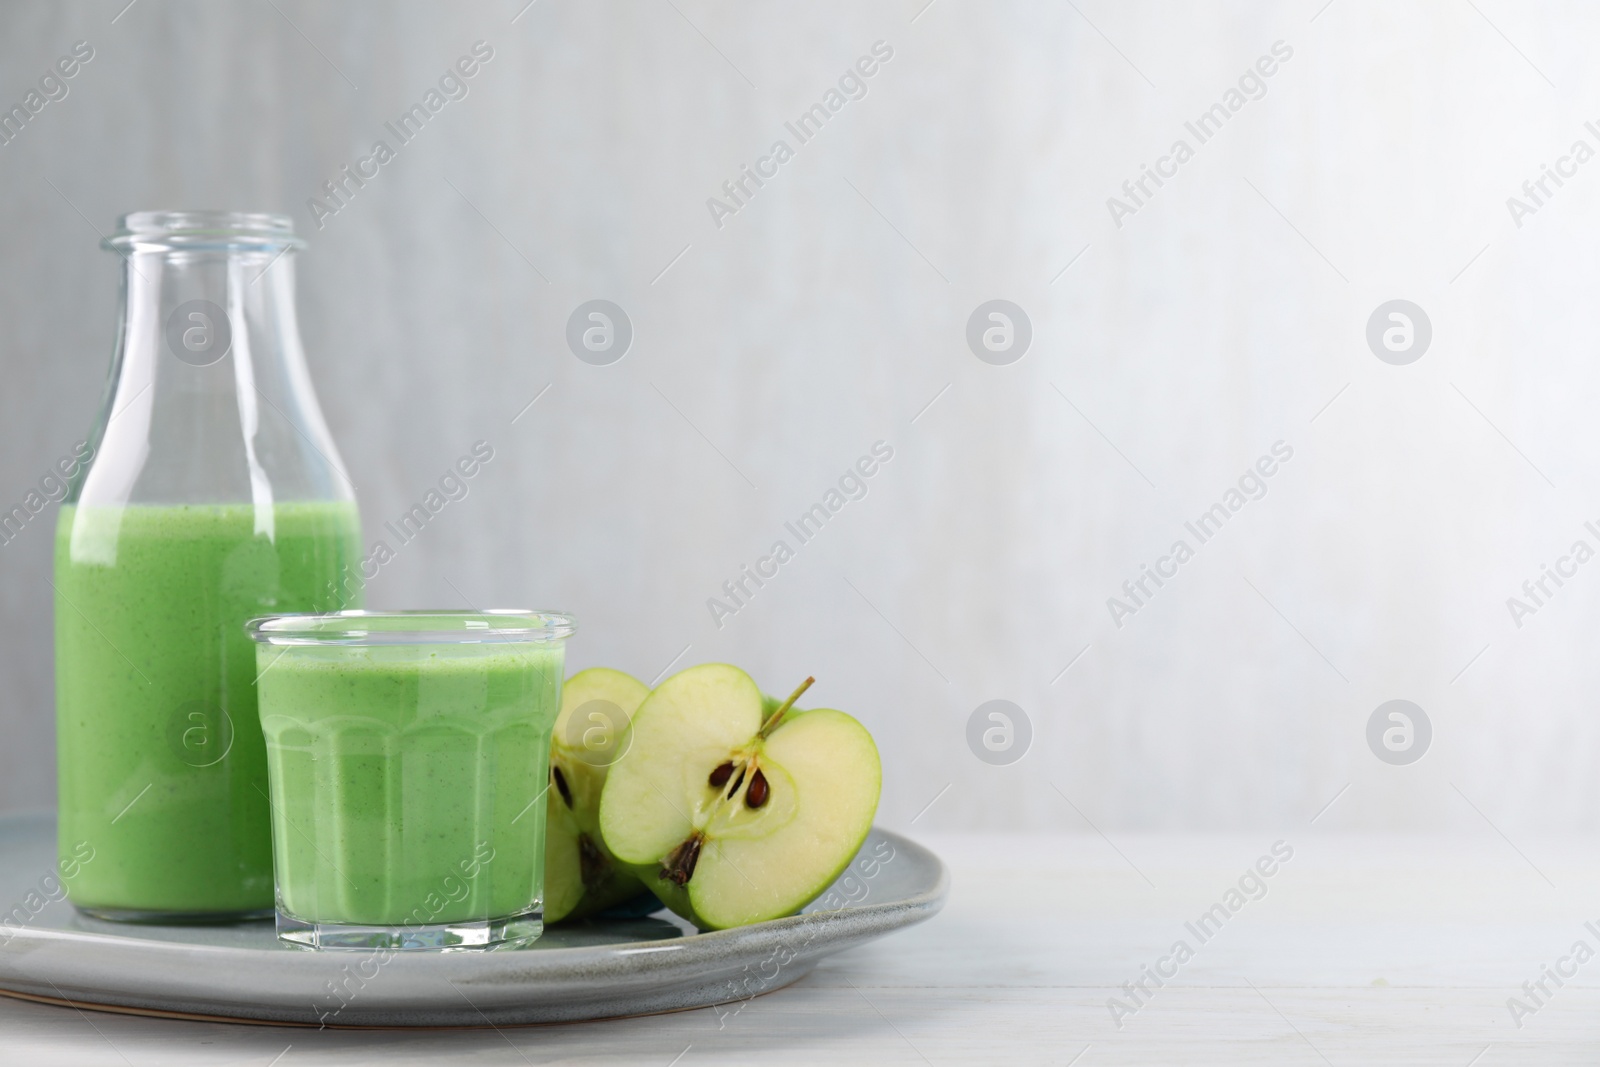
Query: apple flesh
(581, 876)
(733, 810)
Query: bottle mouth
(217, 231)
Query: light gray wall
(1222, 317)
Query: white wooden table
(1362, 950)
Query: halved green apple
(581, 876)
(733, 810)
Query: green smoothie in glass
(409, 755)
(162, 766)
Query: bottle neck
(209, 399)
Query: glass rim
(207, 230)
(414, 627)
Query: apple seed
(720, 776)
(592, 864)
(679, 867)
(561, 784)
(758, 792)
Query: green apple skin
(824, 776)
(581, 876)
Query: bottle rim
(159, 231)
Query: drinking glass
(408, 754)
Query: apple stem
(776, 717)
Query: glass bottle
(214, 495)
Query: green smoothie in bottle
(163, 764)
(215, 495)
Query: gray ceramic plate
(592, 970)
